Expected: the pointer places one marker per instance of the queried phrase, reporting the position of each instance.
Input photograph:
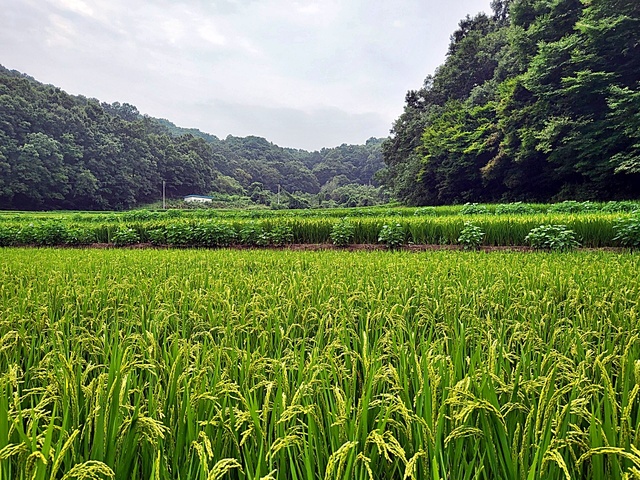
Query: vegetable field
(211, 364)
(613, 224)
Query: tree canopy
(539, 101)
(59, 151)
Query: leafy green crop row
(197, 365)
(589, 230)
(517, 208)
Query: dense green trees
(540, 101)
(59, 151)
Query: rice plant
(203, 364)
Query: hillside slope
(59, 151)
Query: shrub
(342, 233)
(552, 237)
(571, 206)
(140, 216)
(80, 236)
(426, 211)
(211, 234)
(27, 234)
(175, 213)
(125, 236)
(618, 207)
(157, 236)
(516, 208)
(471, 236)
(280, 235)
(50, 233)
(473, 209)
(180, 234)
(8, 235)
(251, 234)
(392, 235)
(628, 232)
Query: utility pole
(164, 199)
(278, 194)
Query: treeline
(59, 151)
(539, 101)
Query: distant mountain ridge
(64, 151)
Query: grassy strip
(467, 210)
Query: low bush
(80, 236)
(552, 237)
(516, 208)
(125, 236)
(393, 235)
(473, 209)
(628, 232)
(180, 234)
(427, 211)
(342, 233)
(212, 234)
(252, 235)
(471, 236)
(8, 235)
(571, 206)
(620, 206)
(280, 235)
(50, 233)
(157, 236)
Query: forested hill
(59, 151)
(538, 101)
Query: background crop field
(301, 365)
(594, 225)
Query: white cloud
(209, 33)
(75, 6)
(291, 62)
(307, 9)
(60, 32)
(173, 30)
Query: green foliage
(473, 209)
(279, 235)
(26, 234)
(627, 206)
(157, 236)
(552, 237)
(213, 234)
(140, 215)
(425, 211)
(516, 208)
(59, 151)
(471, 236)
(571, 206)
(541, 102)
(125, 236)
(628, 232)
(342, 233)
(8, 235)
(180, 234)
(79, 235)
(193, 365)
(49, 233)
(392, 235)
(252, 235)
(211, 228)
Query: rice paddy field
(266, 364)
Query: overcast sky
(304, 74)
